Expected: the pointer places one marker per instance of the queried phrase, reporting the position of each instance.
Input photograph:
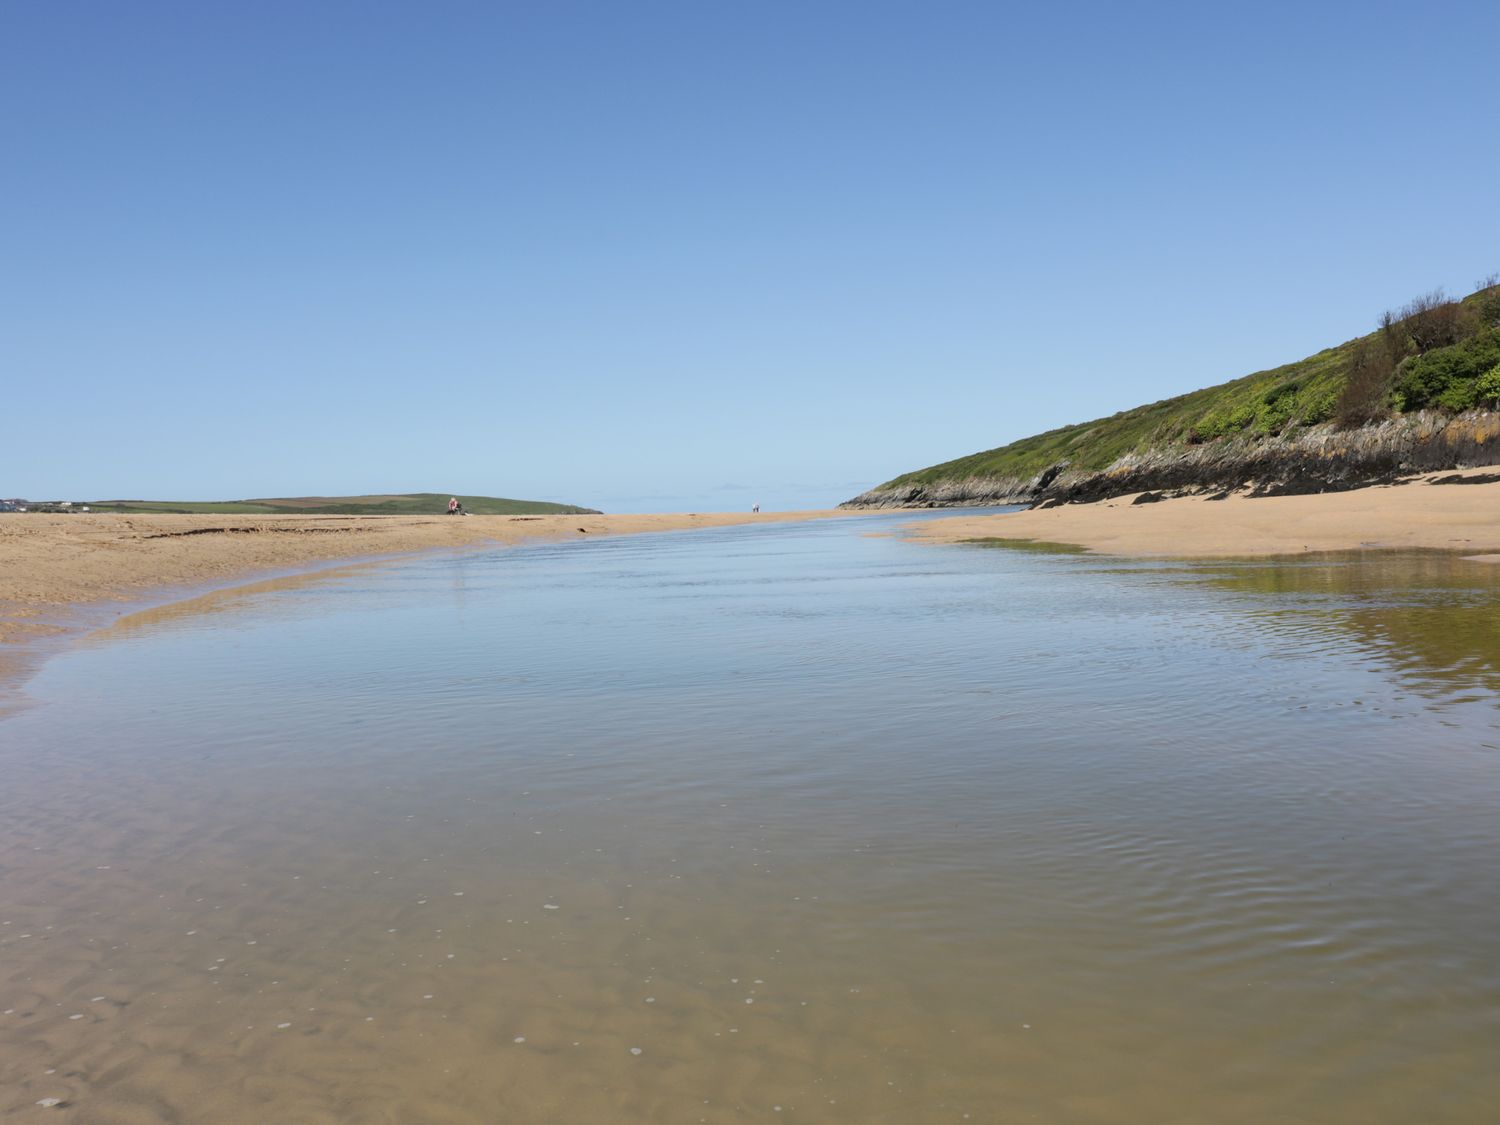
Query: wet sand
(1418, 514)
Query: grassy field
(1308, 392)
(402, 504)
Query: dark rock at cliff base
(1148, 498)
(1219, 496)
(1307, 484)
(1477, 478)
(1294, 486)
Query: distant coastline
(379, 504)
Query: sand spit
(1415, 514)
(55, 568)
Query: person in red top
(453, 505)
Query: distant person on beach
(754, 507)
(454, 507)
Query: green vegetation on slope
(1453, 378)
(1434, 353)
(405, 504)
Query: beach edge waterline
(1420, 515)
(56, 610)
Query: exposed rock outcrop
(1315, 459)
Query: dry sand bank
(1418, 514)
(53, 566)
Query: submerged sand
(1417, 514)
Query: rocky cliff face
(1316, 459)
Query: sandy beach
(1417, 514)
(58, 572)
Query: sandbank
(58, 573)
(1411, 515)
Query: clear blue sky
(656, 256)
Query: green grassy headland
(1433, 354)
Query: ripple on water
(1012, 835)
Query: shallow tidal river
(791, 824)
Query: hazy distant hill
(1419, 393)
(404, 504)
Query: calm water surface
(787, 824)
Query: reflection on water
(1430, 614)
(791, 826)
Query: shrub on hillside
(1222, 422)
(1277, 407)
(1317, 405)
(1447, 377)
(1487, 388)
(1488, 303)
(1283, 405)
(1433, 321)
(1372, 362)
(1422, 356)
